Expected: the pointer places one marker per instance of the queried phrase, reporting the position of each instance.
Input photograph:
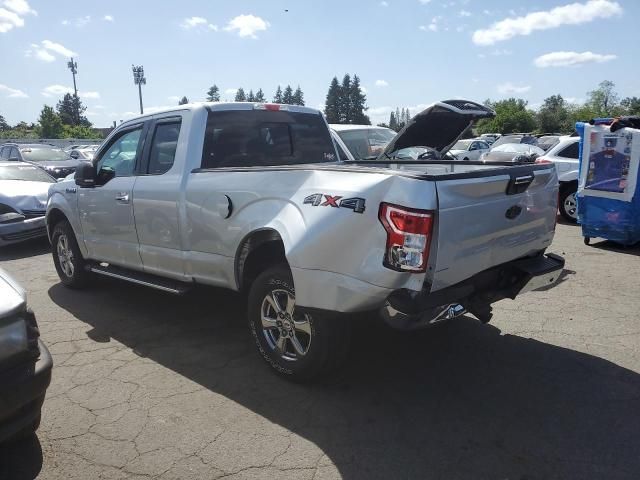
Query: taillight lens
(542, 160)
(408, 237)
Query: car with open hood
(24, 191)
(360, 142)
(253, 197)
(54, 160)
(513, 152)
(25, 364)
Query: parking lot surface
(147, 385)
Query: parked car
(25, 364)
(513, 152)
(23, 201)
(490, 138)
(548, 141)
(565, 156)
(84, 152)
(469, 149)
(525, 138)
(362, 141)
(252, 197)
(54, 160)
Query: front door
(106, 210)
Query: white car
(565, 156)
(360, 142)
(469, 149)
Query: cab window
(121, 155)
(163, 147)
(570, 151)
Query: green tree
(287, 96)
(260, 98)
(71, 110)
(277, 98)
(251, 97)
(298, 97)
(512, 115)
(358, 103)
(553, 115)
(50, 123)
(213, 94)
(3, 124)
(240, 95)
(631, 105)
(344, 102)
(604, 100)
(183, 101)
(79, 131)
(332, 102)
(393, 123)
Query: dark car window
(261, 138)
(571, 151)
(26, 172)
(4, 153)
(14, 153)
(163, 147)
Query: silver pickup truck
(253, 197)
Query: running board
(140, 278)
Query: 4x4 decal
(323, 200)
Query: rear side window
(4, 153)
(163, 147)
(570, 152)
(250, 138)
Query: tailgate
(487, 218)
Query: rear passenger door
(156, 197)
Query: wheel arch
(257, 251)
(54, 216)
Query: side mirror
(74, 154)
(86, 175)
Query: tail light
(273, 107)
(543, 160)
(408, 237)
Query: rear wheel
(568, 203)
(297, 344)
(67, 258)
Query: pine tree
(331, 104)
(259, 98)
(183, 101)
(3, 124)
(213, 94)
(393, 123)
(240, 95)
(70, 110)
(50, 123)
(358, 103)
(399, 119)
(407, 117)
(251, 97)
(344, 104)
(287, 96)
(277, 98)
(298, 97)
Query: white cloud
(55, 90)
(174, 98)
(384, 4)
(58, 48)
(381, 83)
(78, 22)
(571, 59)
(464, 13)
(571, 14)
(89, 95)
(12, 92)
(9, 20)
(21, 7)
(247, 25)
(509, 88)
(108, 18)
(42, 54)
(193, 22)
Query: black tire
(77, 276)
(27, 432)
(567, 205)
(587, 240)
(326, 345)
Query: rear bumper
(22, 392)
(407, 310)
(20, 231)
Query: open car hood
(439, 126)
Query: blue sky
(407, 53)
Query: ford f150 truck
(254, 198)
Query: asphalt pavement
(147, 385)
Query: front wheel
(569, 204)
(67, 257)
(297, 344)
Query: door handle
(122, 197)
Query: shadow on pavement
(616, 247)
(29, 248)
(459, 401)
(21, 460)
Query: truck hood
(438, 126)
(24, 195)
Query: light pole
(139, 79)
(73, 66)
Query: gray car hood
(24, 195)
(13, 298)
(438, 126)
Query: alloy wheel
(65, 255)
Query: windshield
(367, 143)
(462, 145)
(44, 154)
(29, 173)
